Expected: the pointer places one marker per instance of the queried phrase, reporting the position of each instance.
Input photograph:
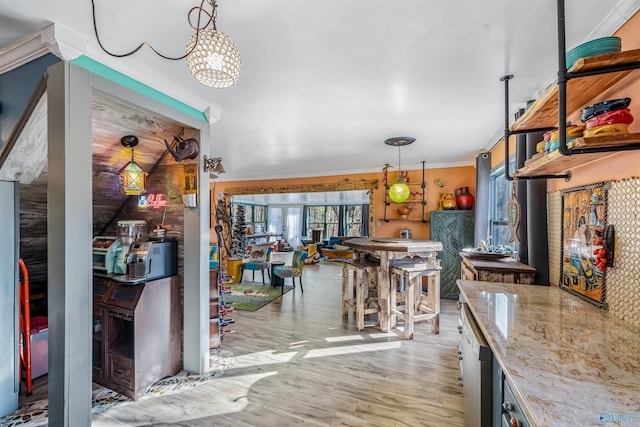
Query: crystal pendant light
(212, 56)
(399, 191)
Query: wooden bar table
(387, 250)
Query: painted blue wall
(16, 87)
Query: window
(254, 217)
(353, 217)
(499, 193)
(335, 220)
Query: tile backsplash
(622, 283)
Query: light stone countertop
(570, 362)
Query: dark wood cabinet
(136, 334)
(504, 271)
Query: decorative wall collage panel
(623, 213)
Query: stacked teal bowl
(592, 48)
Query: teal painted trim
(115, 76)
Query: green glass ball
(399, 192)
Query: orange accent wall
(497, 152)
(453, 178)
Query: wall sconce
(399, 191)
(132, 178)
(190, 196)
(213, 166)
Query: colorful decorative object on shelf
(607, 118)
(132, 178)
(404, 211)
(594, 47)
(447, 201)
(551, 137)
(399, 192)
(464, 199)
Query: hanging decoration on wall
(184, 148)
(132, 178)
(514, 214)
(190, 196)
(587, 242)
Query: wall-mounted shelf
(581, 85)
(404, 219)
(555, 163)
(421, 200)
(543, 112)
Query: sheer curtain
(274, 220)
(294, 225)
(288, 221)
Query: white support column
(69, 227)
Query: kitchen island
(569, 363)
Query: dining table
(392, 251)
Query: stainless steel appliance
(129, 231)
(475, 370)
(151, 260)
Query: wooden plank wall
(107, 201)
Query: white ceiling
(324, 83)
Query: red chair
(25, 327)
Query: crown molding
(55, 39)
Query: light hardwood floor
(296, 363)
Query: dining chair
(294, 270)
(258, 261)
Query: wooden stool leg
(409, 307)
(393, 298)
(360, 299)
(385, 289)
(345, 293)
(435, 322)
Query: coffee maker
(150, 260)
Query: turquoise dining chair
(259, 260)
(294, 270)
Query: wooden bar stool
(406, 284)
(362, 296)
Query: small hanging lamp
(212, 56)
(399, 191)
(133, 179)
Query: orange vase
(448, 201)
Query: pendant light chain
(211, 19)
